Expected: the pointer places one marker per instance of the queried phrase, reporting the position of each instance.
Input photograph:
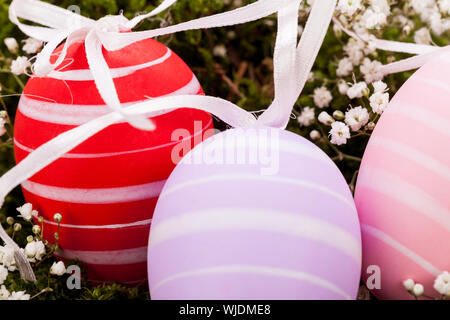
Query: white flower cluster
(8, 264)
(372, 16)
(434, 13)
(355, 118)
(441, 285)
(35, 251)
(22, 63)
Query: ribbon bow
(292, 64)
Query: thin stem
(344, 156)
(41, 292)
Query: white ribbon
(292, 65)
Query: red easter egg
(106, 188)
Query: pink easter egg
(402, 193)
(255, 214)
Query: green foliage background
(248, 68)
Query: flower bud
(36, 229)
(30, 239)
(418, 290)
(407, 30)
(10, 221)
(338, 115)
(314, 135)
(409, 284)
(17, 227)
(57, 217)
(337, 30)
(325, 118)
(41, 219)
(56, 235)
(371, 126)
(366, 92)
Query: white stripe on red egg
(86, 75)
(67, 114)
(98, 227)
(98, 195)
(118, 153)
(111, 257)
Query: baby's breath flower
(422, 36)
(357, 90)
(343, 87)
(32, 45)
(20, 65)
(12, 45)
(373, 17)
(306, 117)
(339, 133)
(34, 250)
(26, 211)
(58, 268)
(3, 274)
(349, 7)
(7, 257)
(379, 86)
(322, 97)
(442, 284)
(4, 294)
(444, 5)
(379, 101)
(19, 295)
(356, 118)
(382, 5)
(354, 50)
(2, 124)
(345, 67)
(371, 70)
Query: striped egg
(402, 192)
(106, 188)
(255, 214)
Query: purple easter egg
(255, 213)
